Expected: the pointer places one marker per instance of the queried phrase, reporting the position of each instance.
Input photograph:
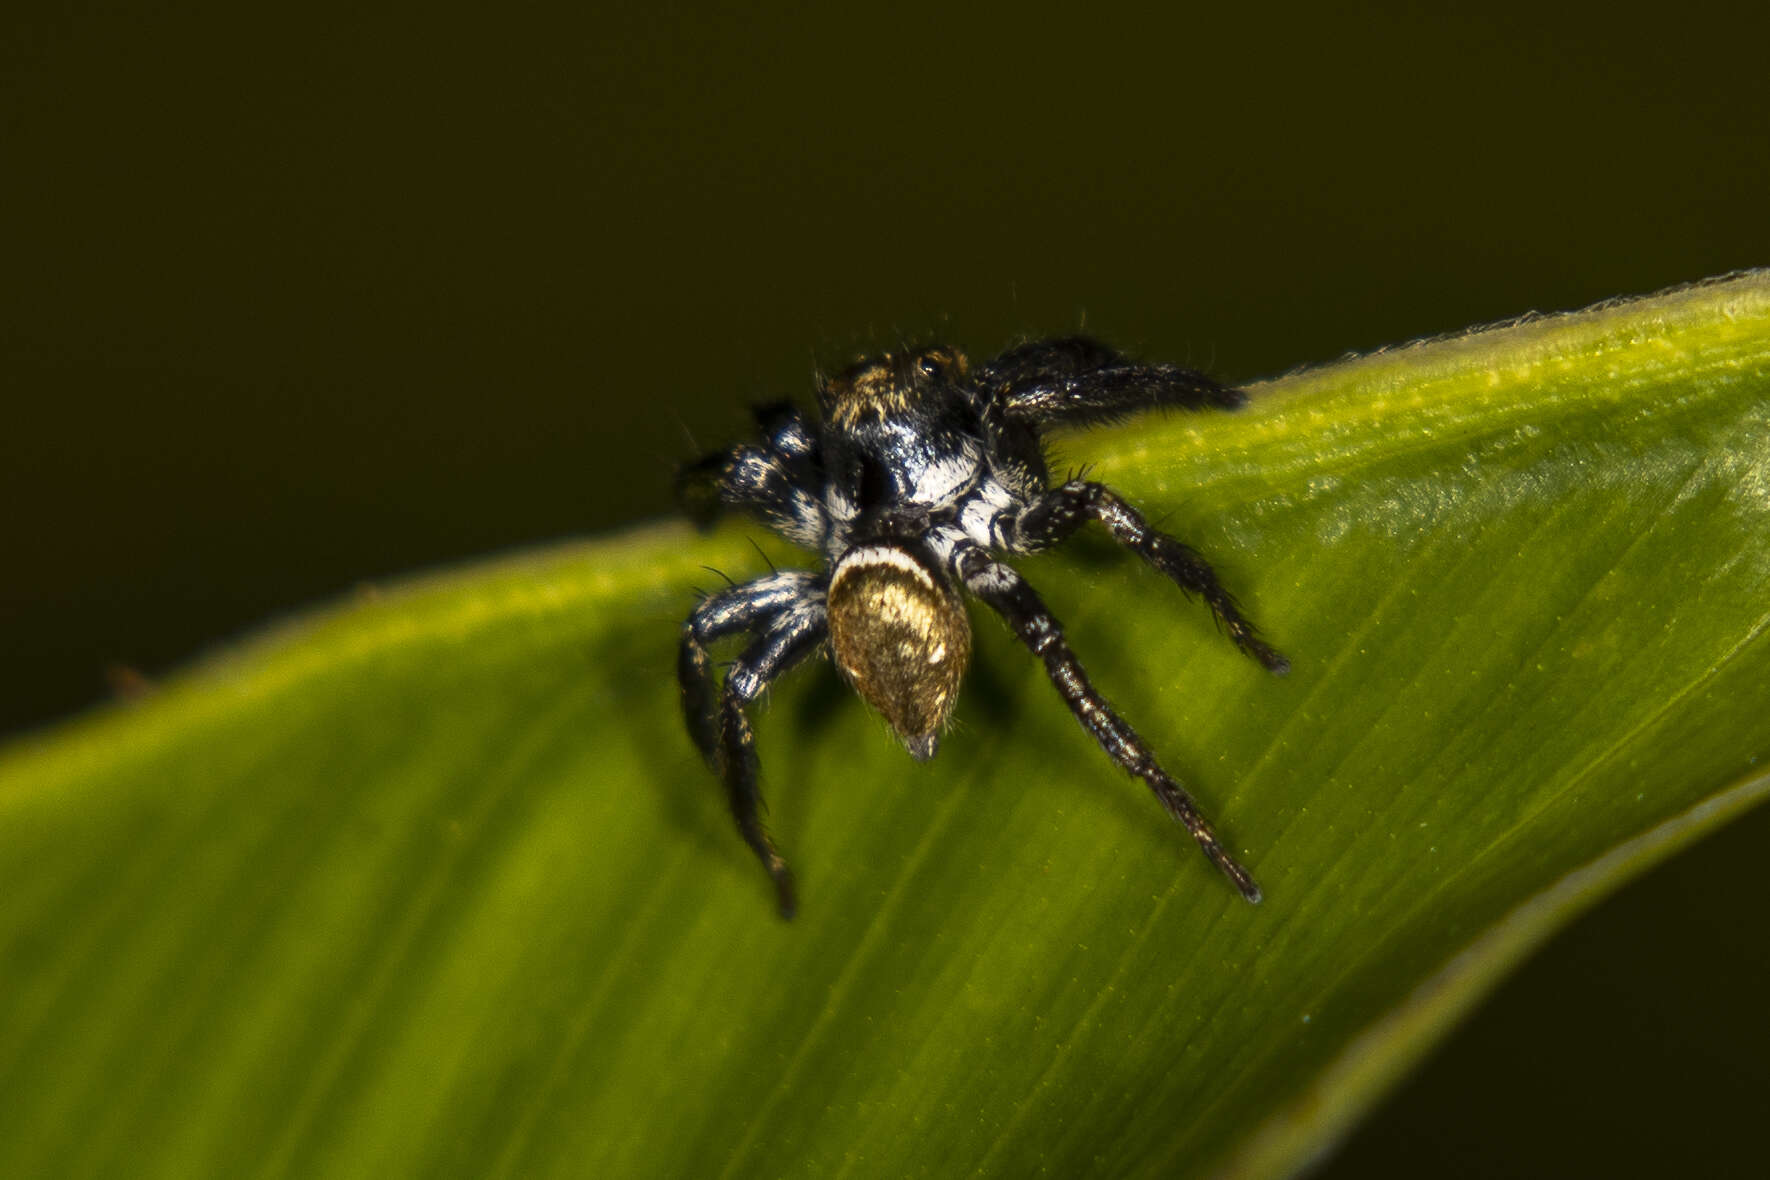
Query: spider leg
(791, 637)
(1061, 511)
(1080, 382)
(754, 606)
(785, 433)
(1033, 623)
(758, 479)
(1050, 360)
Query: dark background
(292, 299)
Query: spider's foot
(1273, 660)
(788, 897)
(1241, 879)
(1242, 634)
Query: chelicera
(920, 471)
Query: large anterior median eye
(900, 636)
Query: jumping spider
(919, 471)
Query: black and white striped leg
(750, 607)
(788, 437)
(789, 639)
(1028, 617)
(1061, 511)
(777, 487)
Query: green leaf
(432, 882)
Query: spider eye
(929, 365)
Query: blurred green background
(298, 299)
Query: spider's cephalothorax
(920, 470)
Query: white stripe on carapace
(888, 555)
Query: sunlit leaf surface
(433, 883)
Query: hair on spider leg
(766, 560)
(694, 445)
(920, 475)
(1075, 472)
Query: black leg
(1028, 617)
(1049, 360)
(1080, 382)
(1106, 395)
(788, 640)
(749, 607)
(1061, 511)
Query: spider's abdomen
(900, 635)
